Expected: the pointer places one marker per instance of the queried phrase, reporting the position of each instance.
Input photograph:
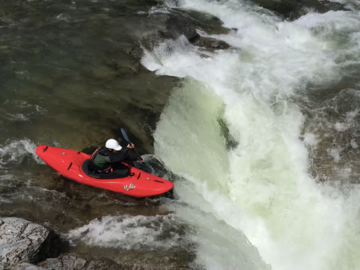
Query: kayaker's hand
(130, 146)
(141, 160)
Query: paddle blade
(125, 135)
(127, 139)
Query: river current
(260, 139)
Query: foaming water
(127, 232)
(260, 188)
(14, 152)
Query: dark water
(72, 68)
(70, 76)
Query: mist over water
(260, 189)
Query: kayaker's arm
(117, 158)
(131, 156)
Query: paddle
(127, 139)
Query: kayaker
(110, 158)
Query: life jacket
(97, 169)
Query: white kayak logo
(131, 186)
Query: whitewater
(253, 203)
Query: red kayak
(74, 165)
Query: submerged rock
(212, 43)
(75, 262)
(175, 26)
(293, 9)
(209, 23)
(68, 261)
(23, 241)
(27, 266)
(181, 26)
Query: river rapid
(261, 139)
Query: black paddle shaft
(128, 140)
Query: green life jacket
(102, 162)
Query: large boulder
(23, 241)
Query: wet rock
(136, 261)
(106, 264)
(66, 262)
(2, 266)
(181, 26)
(23, 241)
(293, 9)
(73, 262)
(205, 21)
(76, 262)
(27, 266)
(212, 43)
(153, 39)
(135, 52)
(176, 25)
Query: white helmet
(113, 144)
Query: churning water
(254, 203)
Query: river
(260, 139)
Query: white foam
(351, 115)
(128, 232)
(340, 127)
(18, 117)
(15, 151)
(335, 153)
(354, 144)
(24, 110)
(261, 188)
(310, 139)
